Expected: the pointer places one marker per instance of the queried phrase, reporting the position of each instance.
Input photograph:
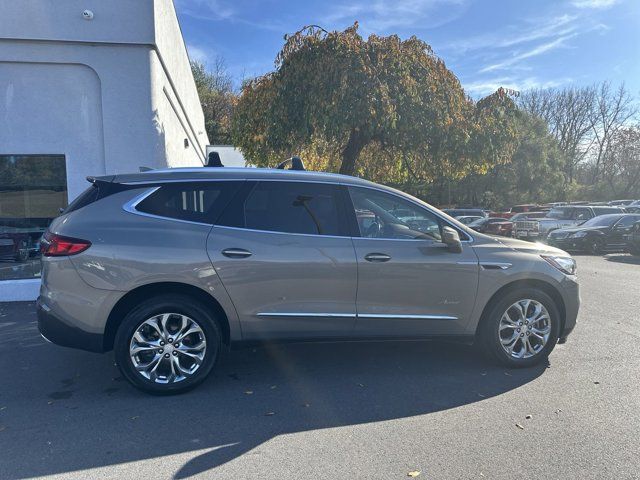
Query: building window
(33, 189)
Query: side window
(292, 207)
(627, 221)
(194, 202)
(582, 214)
(382, 215)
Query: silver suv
(169, 267)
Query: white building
(87, 87)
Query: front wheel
(167, 344)
(521, 329)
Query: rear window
(194, 202)
(97, 191)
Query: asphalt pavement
(339, 411)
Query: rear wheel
(167, 344)
(594, 246)
(521, 329)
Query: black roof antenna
(296, 164)
(213, 160)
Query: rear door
(283, 252)
(409, 283)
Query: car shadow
(628, 259)
(68, 410)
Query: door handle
(236, 253)
(377, 257)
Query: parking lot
(376, 410)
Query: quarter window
(382, 215)
(291, 207)
(202, 202)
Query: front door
(283, 253)
(409, 283)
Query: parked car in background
(169, 267)
(467, 219)
(605, 233)
(503, 228)
(560, 217)
(633, 240)
(620, 203)
(15, 244)
(633, 207)
(530, 207)
(481, 225)
(459, 212)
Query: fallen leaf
(529, 417)
(50, 402)
(306, 405)
(361, 385)
(273, 387)
(269, 414)
(413, 474)
(519, 426)
(3, 408)
(596, 383)
(249, 392)
(508, 374)
(135, 417)
(482, 396)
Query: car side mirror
(451, 239)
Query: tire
(490, 335)
(158, 348)
(594, 246)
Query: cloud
(484, 87)
(198, 54)
(599, 4)
(534, 52)
(538, 29)
(382, 16)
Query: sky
(517, 44)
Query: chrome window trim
(131, 205)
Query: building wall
(111, 94)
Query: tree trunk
(351, 152)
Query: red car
(528, 207)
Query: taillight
(52, 245)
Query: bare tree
(568, 113)
(621, 171)
(614, 109)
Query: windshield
(602, 221)
(478, 223)
(560, 213)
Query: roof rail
(296, 164)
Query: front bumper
(55, 330)
(570, 291)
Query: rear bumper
(57, 331)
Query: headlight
(564, 264)
(579, 234)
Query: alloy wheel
(168, 348)
(524, 329)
